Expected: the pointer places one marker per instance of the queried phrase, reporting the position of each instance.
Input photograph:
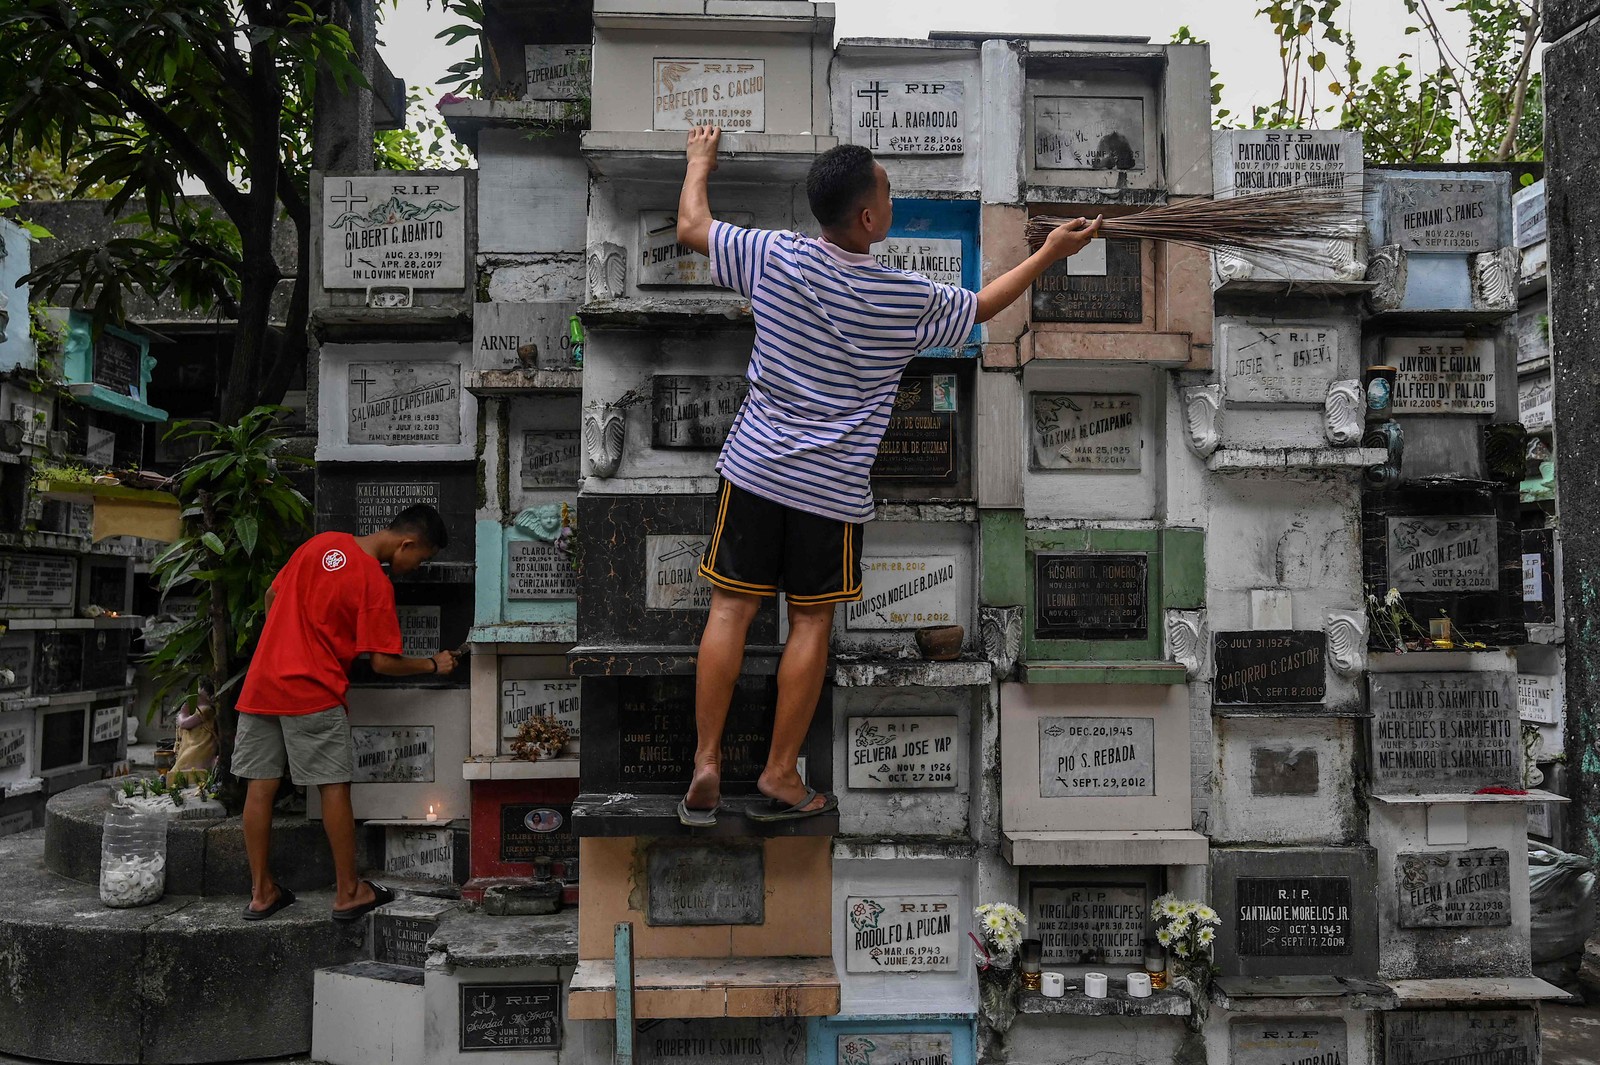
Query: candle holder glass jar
(1032, 958)
(1155, 964)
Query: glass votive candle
(1155, 964)
(1032, 963)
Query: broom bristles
(1288, 223)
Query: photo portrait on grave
(330, 603)
(835, 330)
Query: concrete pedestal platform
(183, 980)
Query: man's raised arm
(694, 206)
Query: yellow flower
(993, 922)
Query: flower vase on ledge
(998, 989)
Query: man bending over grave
(330, 602)
(834, 332)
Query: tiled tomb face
(905, 760)
(1093, 442)
(409, 744)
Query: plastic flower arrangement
(1000, 928)
(1185, 927)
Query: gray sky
(1243, 50)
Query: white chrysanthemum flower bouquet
(1185, 927)
(999, 933)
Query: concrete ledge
(1476, 992)
(204, 857)
(658, 156)
(596, 814)
(1117, 1003)
(1161, 847)
(476, 941)
(518, 382)
(510, 767)
(146, 974)
(1037, 672)
(911, 672)
(709, 987)
(1276, 995)
(1348, 459)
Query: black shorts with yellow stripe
(758, 546)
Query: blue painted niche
(822, 1036)
(944, 220)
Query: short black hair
(838, 180)
(423, 522)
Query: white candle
(1094, 985)
(1053, 985)
(1138, 985)
(431, 815)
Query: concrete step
(204, 857)
(368, 1013)
(148, 973)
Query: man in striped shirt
(834, 332)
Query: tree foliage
(151, 99)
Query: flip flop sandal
(689, 817)
(285, 898)
(381, 896)
(779, 812)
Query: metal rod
(623, 959)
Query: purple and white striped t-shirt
(834, 332)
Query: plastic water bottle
(133, 858)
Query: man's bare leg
(715, 674)
(339, 822)
(800, 675)
(258, 798)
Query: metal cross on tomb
(347, 202)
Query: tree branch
(1519, 97)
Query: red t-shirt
(333, 602)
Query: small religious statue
(197, 740)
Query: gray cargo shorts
(315, 747)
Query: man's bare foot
(705, 790)
(787, 788)
(361, 897)
(262, 903)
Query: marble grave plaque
(935, 258)
(1539, 576)
(1460, 1037)
(20, 821)
(16, 656)
(695, 411)
(15, 747)
(905, 592)
(730, 93)
(1447, 216)
(400, 230)
(1260, 160)
(1294, 916)
(398, 940)
(1078, 292)
(921, 441)
(524, 699)
(1085, 431)
(538, 570)
(1442, 375)
(29, 411)
(1088, 133)
(1536, 698)
(895, 1048)
(693, 883)
(419, 630)
(101, 447)
(903, 117)
(903, 753)
(1444, 732)
(721, 1041)
(1533, 330)
(522, 336)
(510, 1017)
(1530, 216)
(118, 364)
(37, 580)
(1536, 402)
(556, 71)
(1454, 889)
(1083, 596)
(1300, 1040)
(428, 853)
(1091, 757)
(109, 723)
(1262, 667)
(531, 831)
(903, 934)
(1279, 362)
(1444, 554)
(672, 572)
(393, 755)
(550, 458)
(1076, 921)
(664, 261)
(404, 402)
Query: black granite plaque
(531, 831)
(510, 1017)
(1069, 292)
(725, 1041)
(117, 364)
(361, 498)
(656, 719)
(921, 443)
(695, 411)
(401, 940)
(1295, 916)
(1288, 1041)
(1454, 889)
(692, 883)
(1269, 666)
(1460, 1037)
(106, 657)
(1080, 596)
(1538, 576)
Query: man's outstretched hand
(444, 663)
(1070, 238)
(702, 148)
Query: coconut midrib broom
(1289, 223)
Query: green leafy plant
(423, 143)
(242, 518)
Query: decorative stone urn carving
(1001, 630)
(605, 431)
(1387, 270)
(1494, 280)
(1344, 413)
(1347, 642)
(1200, 407)
(608, 272)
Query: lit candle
(431, 815)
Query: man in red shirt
(330, 602)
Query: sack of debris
(1561, 901)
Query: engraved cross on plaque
(347, 202)
(873, 94)
(363, 380)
